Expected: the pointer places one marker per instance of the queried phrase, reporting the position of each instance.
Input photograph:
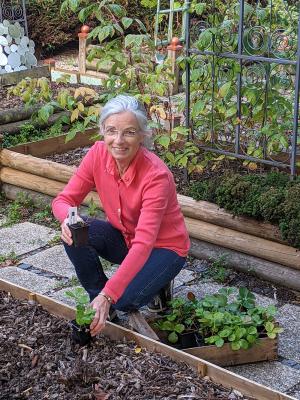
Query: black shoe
(160, 301)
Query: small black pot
(188, 339)
(80, 233)
(80, 334)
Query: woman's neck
(122, 167)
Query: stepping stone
(24, 237)
(200, 289)
(185, 276)
(61, 296)
(53, 260)
(27, 279)
(272, 374)
(289, 343)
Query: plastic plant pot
(80, 233)
(80, 334)
(188, 339)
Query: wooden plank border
(116, 332)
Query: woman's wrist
(108, 298)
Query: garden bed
(38, 361)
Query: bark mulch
(38, 362)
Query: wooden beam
(258, 247)
(199, 210)
(116, 332)
(40, 184)
(263, 269)
(209, 212)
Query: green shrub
(271, 197)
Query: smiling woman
(144, 232)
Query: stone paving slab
(53, 260)
(289, 318)
(200, 289)
(29, 280)
(272, 374)
(296, 395)
(24, 237)
(185, 276)
(60, 295)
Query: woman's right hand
(66, 235)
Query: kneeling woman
(144, 232)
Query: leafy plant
(84, 311)
(269, 197)
(219, 320)
(218, 270)
(80, 104)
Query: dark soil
(39, 362)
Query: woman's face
(122, 136)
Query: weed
(55, 240)
(218, 270)
(72, 282)
(8, 259)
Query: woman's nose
(119, 138)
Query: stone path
(47, 270)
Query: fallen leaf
(137, 350)
(34, 361)
(99, 394)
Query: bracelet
(108, 298)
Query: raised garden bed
(251, 245)
(46, 363)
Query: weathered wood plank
(56, 144)
(13, 78)
(265, 350)
(139, 324)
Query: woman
(144, 232)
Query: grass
(8, 259)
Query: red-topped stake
(175, 44)
(84, 31)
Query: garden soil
(38, 362)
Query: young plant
(84, 311)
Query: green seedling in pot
(83, 318)
(84, 312)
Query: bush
(271, 197)
(48, 28)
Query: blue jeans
(107, 242)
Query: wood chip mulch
(39, 362)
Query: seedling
(83, 317)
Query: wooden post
(50, 62)
(174, 50)
(82, 35)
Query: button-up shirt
(142, 204)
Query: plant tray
(265, 350)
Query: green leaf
(179, 328)
(173, 337)
(126, 22)
(45, 112)
(244, 344)
(236, 345)
(271, 335)
(269, 326)
(224, 89)
(219, 342)
(105, 31)
(164, 141)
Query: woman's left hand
(102, 306)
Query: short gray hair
(123, 103)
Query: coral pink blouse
(142, 205)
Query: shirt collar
(128, 176)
